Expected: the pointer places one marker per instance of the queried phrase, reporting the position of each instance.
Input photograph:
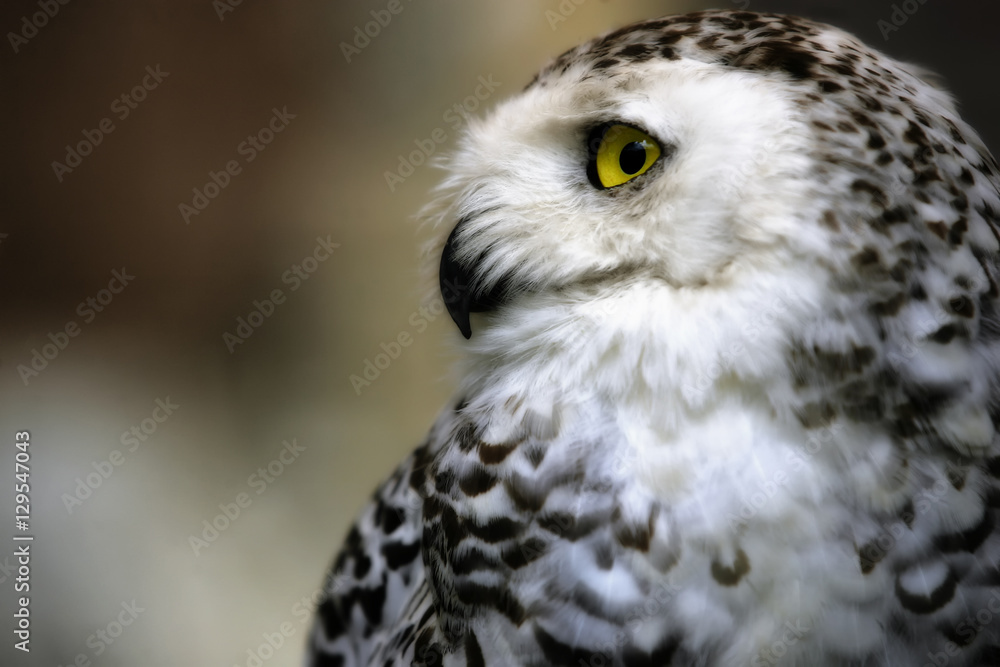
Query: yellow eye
(619, 153)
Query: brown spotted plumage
(735, 404)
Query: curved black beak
(456, 290)
(461, 289)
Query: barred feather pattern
(742, 409)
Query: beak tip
(455, 287)
(459, 312)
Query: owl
(727, 290)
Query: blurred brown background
(116, 528)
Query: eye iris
(632, 158)
(618, 153)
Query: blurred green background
(116, 529)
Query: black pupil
(632, 158)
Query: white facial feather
(744, 401)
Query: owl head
(663, 185)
